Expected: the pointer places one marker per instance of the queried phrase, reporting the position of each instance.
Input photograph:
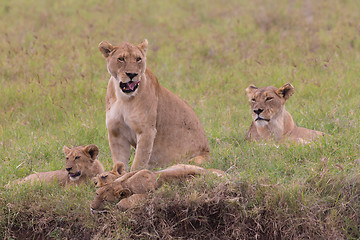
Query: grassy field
(54, 80)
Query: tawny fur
(81, 164)
(271, 120)
(132, 187)
(104, 178)
(159, 125)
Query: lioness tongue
(132, 85)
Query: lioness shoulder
(271, 120)
(145, 115)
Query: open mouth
(262, 119)
(74, 176)
(130, 86)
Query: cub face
(126, 63)
(110, 193)
(79, 160)
(267, 102)
(105, 178)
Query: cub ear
(250, 90)
(285, 91)
(66, 150)
(105, 48)
(92, 150)
(94, 180)
(122, 193)
(119, 168)
(144, 45)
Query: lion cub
(81, 164)
(271, 120)
(134, 186)
(104, 178)
(143, 114)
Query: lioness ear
(250, 90)
(105, 48)
(66, 150)
(92, 150)
(119, 168)
(144, 45)
(122, 193)
(285, 91)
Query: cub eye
(268, 99)
(77, 157)
(253, 100)
(121, 59)
(138, 60)
(103, 177)
(67, 158)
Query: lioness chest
(118, 121)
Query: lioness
(134, 186)
(143, 114)
(104, 178)
(271, 120)
(81, 164)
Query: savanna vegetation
(53, 82)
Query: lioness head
(268, 102)
(126, 63)
(109, 193)
(107, 177)
(79, 160)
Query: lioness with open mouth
(143, 114)
(271, 120)
(81, 164)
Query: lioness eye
(253, 100)
(121, 59)
(268, 98)
(138, 59)
(67, 158)
(103, 177)
(77, 157)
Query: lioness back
(179, 131)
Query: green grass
(54, 82)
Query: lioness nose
(131, 75)
(68, 169)
(258, 111)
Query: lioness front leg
(120, 149)
(144, 147)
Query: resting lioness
(271, 120)
(81, 164)
(143, 114)
(130, 188)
